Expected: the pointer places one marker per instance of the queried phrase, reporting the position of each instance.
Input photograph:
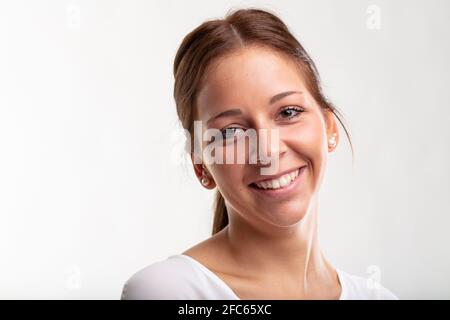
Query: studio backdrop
(94, 183)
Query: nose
(270, 147)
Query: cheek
(307, 141)
(228, 178)
(308, 136)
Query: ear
(202, 172)
(332, 130)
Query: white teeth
(285, 181)
(276, 183)
(281, 182)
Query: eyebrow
(237, 111)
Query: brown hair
(216, 38)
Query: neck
(278, 252)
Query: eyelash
(294, 108)
(289, 108)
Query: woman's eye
(290, 112)
(231, 132)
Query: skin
(270, 248)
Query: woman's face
(247, 80)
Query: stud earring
(205, 180)
(332, 140)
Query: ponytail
(220, 213)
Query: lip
(276, 176)
(282, 192)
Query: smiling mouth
(278, 183)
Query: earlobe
(205, 179)
(332, 142)
(332, 132)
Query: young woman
(245, 72)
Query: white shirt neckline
(213, 277)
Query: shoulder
(359, 288)
(172, 278)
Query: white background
(90, 187)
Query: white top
(181, 277)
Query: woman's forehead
(250, 67)
(250, 75)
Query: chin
(285, 217)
